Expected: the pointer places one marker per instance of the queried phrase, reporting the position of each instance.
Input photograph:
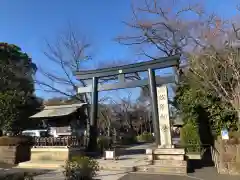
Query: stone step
(168, 157)
(170, 163)
(161, 169)
(42, 164)
(128, 165)
(121, 168)
(169, 151)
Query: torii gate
(121, 71)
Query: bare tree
(55, 101)
(159, 28)
(166, 29)
(65, 56)
(105, 117)
(163, 26)
(123, 110)
(216, 67)
(217, 70)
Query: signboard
(224, 134)
(109, 155)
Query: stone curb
(162, 173)
(40, 166)
(118, 168)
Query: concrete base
(54, 153)
(193, 156)
(171, 160)
(162, 170)
(41, 165)
(165, 146)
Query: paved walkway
(102, 175)
(207, 173)
(53, 175)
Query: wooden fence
(59, 141)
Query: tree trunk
(109, 131)
(238, 123)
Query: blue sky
(27, 23)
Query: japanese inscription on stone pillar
(163, 112)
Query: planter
(193, 156)
(15, 154)
(15, 149)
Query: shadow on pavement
(109, 174)
(206, 161)
(133, 151)
(21, 171)
(136, 149)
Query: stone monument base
(166, 160)
(165, 146)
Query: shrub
(128, 139)
(145, 137)
(103, 143)
(190, 138)
(82, 168)
(16, 140)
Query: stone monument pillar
(164, 121)
(165, 158)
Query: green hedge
(128, 139)
(190, 138)
(145, 137)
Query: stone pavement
(135, 156)
(53, 175)
(5, 171)
(124, 163)
(208, 173)
(110, 175)
(102, 175)
(128, 156)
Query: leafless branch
(218, 72)
(156, 26)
